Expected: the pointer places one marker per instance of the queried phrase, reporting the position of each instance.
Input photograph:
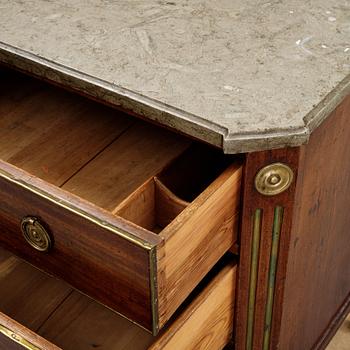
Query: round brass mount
(273, 179)
(35, 234)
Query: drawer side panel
(197, 239)
(206, 323)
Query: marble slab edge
(168, 116)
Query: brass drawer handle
(35, 234)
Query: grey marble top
(242, 75)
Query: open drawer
(38, 312)
(128, 213)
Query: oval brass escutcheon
(273, 179)
(35, 234)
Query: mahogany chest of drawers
(173, 175)
(142, 220)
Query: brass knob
(273, 179)
(35, 234)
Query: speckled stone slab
(241, 75)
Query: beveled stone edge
(171, 117)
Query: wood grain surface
(50, 132)
(207, 323)
(90, 257)
(152, 206)
(141, 152)
(80, 324)
(197, 239)
(24, 289)
(20, 337)
(77, 322)
(318, 273)
(312, 283)
(260, 330)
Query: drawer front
(107, 265)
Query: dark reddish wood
(318, 274)
(98, 262)
(253, 200)
(313, 275)
(20, 332)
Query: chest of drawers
(135, 217)
(185, 166)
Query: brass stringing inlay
(73, 209)
(255, 247)
(276, 232)
(253, 277)
(17, 338)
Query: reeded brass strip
(17, 338)
(154, 290)
(255, 247)
(68, 206)
(276, 232)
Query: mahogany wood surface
(6, 343)
(317, 282)
(91, 258)
(18, 337)
(312, 282)
(332, 329)
(253, 200)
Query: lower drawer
(38, 312)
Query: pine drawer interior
(150, 179)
